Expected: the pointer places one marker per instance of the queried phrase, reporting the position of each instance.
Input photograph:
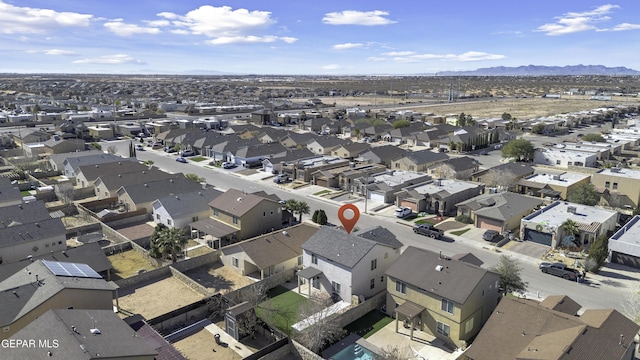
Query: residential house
(107, 185)
(349, 150)
(9, 193)
(401, 135)
(504, 176)
(383, 187)
(528, 329)
(56, 161)
(544, 226)
(438, 196)
(273, 165)
(429, 138)
(32, 137)
(384, 155)
(376, 132)
(56, 145)
(564, 158)
(101, 131)
(86, 175)
(344, 177)
(460, 168)
(249, 156)
(268, 254)
(325, 144)
(297, 140)
(139, 196)
(178, 211)
(81, 334)
(622, 186)
(237, 215)
(624, 247)
(347, 265)
(498, 211)
(71, 164)
(317, 124)
(303, 169)
(448, 297)
(43, 285)
(19, 240)
(418, 160)
(552, 185)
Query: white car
(402, 212)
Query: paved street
(607, 290)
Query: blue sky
(313, 37)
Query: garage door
(537, 236)
(624, 259)
(488, 224)
(413, 206)
(376, 197)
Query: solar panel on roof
(71, 269)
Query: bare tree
(112, 149)
(391, 353)
(499, 179)
(321, 329)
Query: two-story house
(178, 211)
(448, 297)
(346, 265)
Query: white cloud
(15, 19)
(55, 52)
(573, 22)
(119, 28)
(626, 26)
(412, 57)
(250, 39)
(116, 59)
(352, 17)
(346, 46)
(331, 67)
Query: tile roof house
(179, 211)
(141, 195)
(450, 298)
(237, 215)
(527, 329)
(81, 334)
(460, 168)
(268, 254)
(498, 211)
(347, 265)
(418, 160)
(41, 286)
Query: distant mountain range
(537, 70)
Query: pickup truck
(428, 230)
(559, 269)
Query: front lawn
(198, 158)
(459, 232)
(369, 324)
(426, 221)
(281, 309)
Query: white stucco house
(178, 211)
(348, 265)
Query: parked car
(187, 153)
(139, 147)
(170, 149)
(403, 212)
(491, 236)
(181, 160)
(428, 230)
(156, 146)
(228, 165)
(281, 178)
(559, 269)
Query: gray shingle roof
(23, 214)
(93, 171)
(236, 202)
(338, 246)
(47, 228)
(426, 156)
(501, 206)
(190, 202)
(116, 338)
(77, 161)
(146, 192)
(382, 235)
(456, 281)
(115, 181)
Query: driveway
(528, 248)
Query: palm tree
(299, 207)
(570, 227)
(167, 241)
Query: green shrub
(465, 219)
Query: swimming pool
(354, 352)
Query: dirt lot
(151, 300)
(218, 278)
(201, 346)
(128, 263)
(520, 108)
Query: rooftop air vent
(439, 268)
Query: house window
(158, 217)
(215, 212)
(381, 278)
(314, 259)
(482, 292)
(411, 168)
(443, 329)
(607, 184)
(299, 260)
(372, 283)
(169, 222)
(401, 287)
(569, 163)
(615, 186)
(557, 162)
(235, 220)
(335, 287)
(386, 255)
(468, 326)
(397, 165)
(374, 264)
(447, 305)
(194, 219)
(235, 261)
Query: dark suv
(491, 236)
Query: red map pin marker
(347, 220)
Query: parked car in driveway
(181, 160)
(228, 165)
(428, 230)
(491, 236)
(402, 212)
(186, 153)
(281, 178)
(559, 269)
